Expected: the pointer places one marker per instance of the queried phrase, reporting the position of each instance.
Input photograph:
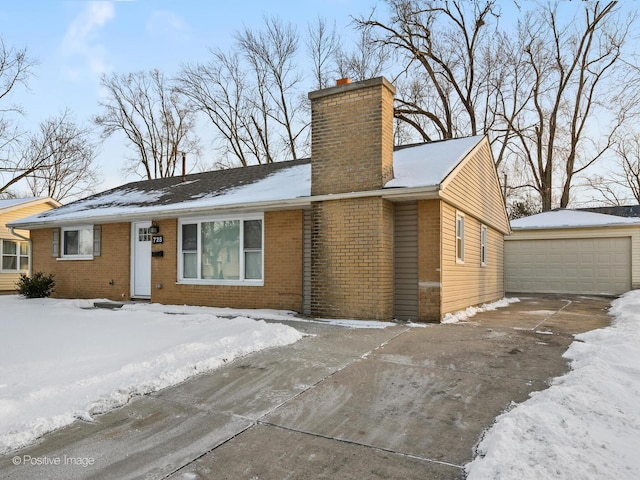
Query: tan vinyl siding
(474, 188)
(429, 260)
(405, 295)
(16, 214)
(8, 280)
(580, 233)
(469, 283)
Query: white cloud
(163, 22)
(81, 40)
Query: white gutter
(160, 212)
(12, 231)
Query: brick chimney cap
(372, 82)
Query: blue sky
(76, 41)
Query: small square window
(77, 242)
(144, 234)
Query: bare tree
(622, 184)
(628, 151)
(365, 60)
(571, 67)
(15, 69)
(271, 53)
(57, 160)
(439, 45)
(219, 90)
(153, 116)
(66, 154)
(323, 45)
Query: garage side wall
(469, 283)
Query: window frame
(242, 250)
(459, 234)
(62, 242)
(17, 256)
(483, 245)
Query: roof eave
(391, 194)
(31, 203)
(573, 227)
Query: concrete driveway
(397, 403)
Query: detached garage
(570, 251)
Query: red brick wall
(106, 276)
(282, 287)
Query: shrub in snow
(39, 285)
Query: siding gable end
(474, 188)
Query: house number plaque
(158, 239)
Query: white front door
(141, 260)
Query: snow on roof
(423, 165)
(11, 202)
(429, 164)
(283, 184)
(564, 218)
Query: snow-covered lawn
(587, 424)
(60, 361)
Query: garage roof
(566, 218)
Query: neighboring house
(573, 251)
(619, 210)
(357, 231)
(15, 255)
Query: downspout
(12, 231)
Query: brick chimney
(352, 237)
(352, 136)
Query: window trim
(73, 228)
(17, 256)
(213, 281)
(459, 237)
(483, 245)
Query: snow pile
(463, 315)
(60, 361)
(587, 424)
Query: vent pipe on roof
(184, 166)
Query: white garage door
(584, 265)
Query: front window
(15, 256)
(77, 242)
(221, 250)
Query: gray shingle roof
(274, 185)
(171, 190)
